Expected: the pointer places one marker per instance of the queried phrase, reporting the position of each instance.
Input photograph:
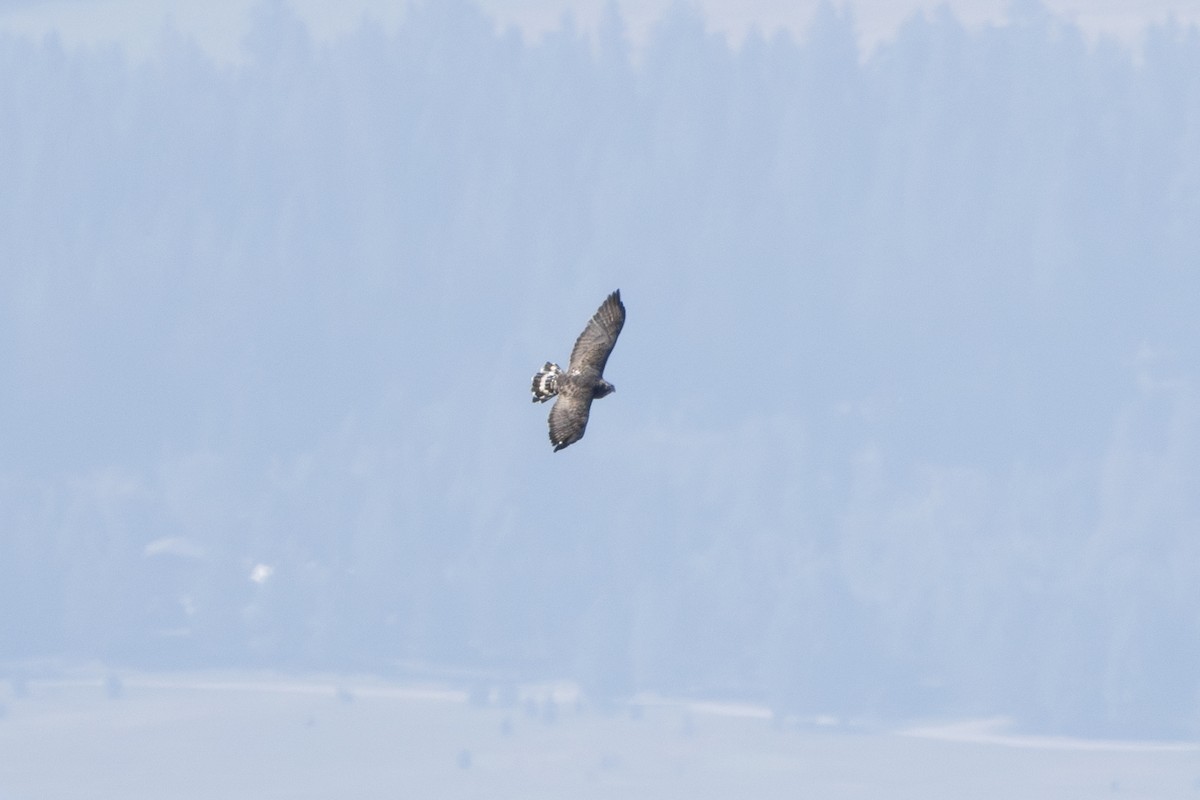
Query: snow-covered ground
(248, 735)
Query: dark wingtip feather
(614, 299)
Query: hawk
(583, 381)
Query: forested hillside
(907, 418)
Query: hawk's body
(583, 381)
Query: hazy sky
(220, 24)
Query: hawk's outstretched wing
(597, 341)
(569, 418)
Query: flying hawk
(583, 381)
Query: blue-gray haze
(907, 418)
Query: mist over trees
(907, 416)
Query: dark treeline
(906, 418)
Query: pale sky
(218, 25)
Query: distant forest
(907, 418)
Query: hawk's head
(602, 389)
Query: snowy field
(259, 736)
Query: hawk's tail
(545, 383)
